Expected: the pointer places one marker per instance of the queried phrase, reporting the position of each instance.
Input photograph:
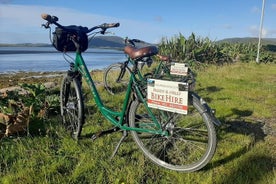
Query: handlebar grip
(109, 25)
(137, 40)
(49, 18)
(116, 24)
(46, 16)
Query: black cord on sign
(69, 59)
(91, 36)
(50, 35)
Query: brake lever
(46, 26)
(103, 31)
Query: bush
(202, 50)
(18, 108)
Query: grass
(244, 96)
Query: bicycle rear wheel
(116, 78)
(72, 107)
(191, 142)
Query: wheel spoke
(113, 82)
(72, 106)
(187, 146)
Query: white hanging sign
(179, 69)
(168, 95)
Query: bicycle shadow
(245, 171)
(254, 129)
(209, 89)
(247, 168)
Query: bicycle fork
(122, 72)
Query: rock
(47, 85)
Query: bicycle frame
(81, 67)
(162, 67)
(125, 67)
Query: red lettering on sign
(166, 104)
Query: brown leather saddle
(139, 53)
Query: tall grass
(203, 50)
(243, 96)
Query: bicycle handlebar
(53, 20)
(49, 18)
(109, 25)
(133, 41)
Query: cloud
(255, 9)
(158, 19)
(273, 6)
(266, 33)
(227, 26)
(22, 23)
(5, 1)
(254, 31)
(271, 33)
(30, 16)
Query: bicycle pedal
(94, 137)
(213, 111)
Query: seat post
(135, 67)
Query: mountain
(24, 45)
(112, 42)
(265, 41)
(119, 42)
(268, 43)
(115, 42)
(106, 42)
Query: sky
(20, 20)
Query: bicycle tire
(111, 74)
(191, 143)
(72, 107)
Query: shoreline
(25, 52)
(13, 50)
(16, 78)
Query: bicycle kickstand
(102, 133)
(119, 143)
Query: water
(47, 59)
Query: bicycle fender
(206, 108)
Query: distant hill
(115, 42)
(24, 45)
(265, 41)
(268, 43)
(111, 42)
(107, 41)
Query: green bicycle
(174, 141)
(116, 75)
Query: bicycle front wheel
(72, 107)
(116, 78)
(191, 142)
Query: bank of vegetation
(198, 50)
